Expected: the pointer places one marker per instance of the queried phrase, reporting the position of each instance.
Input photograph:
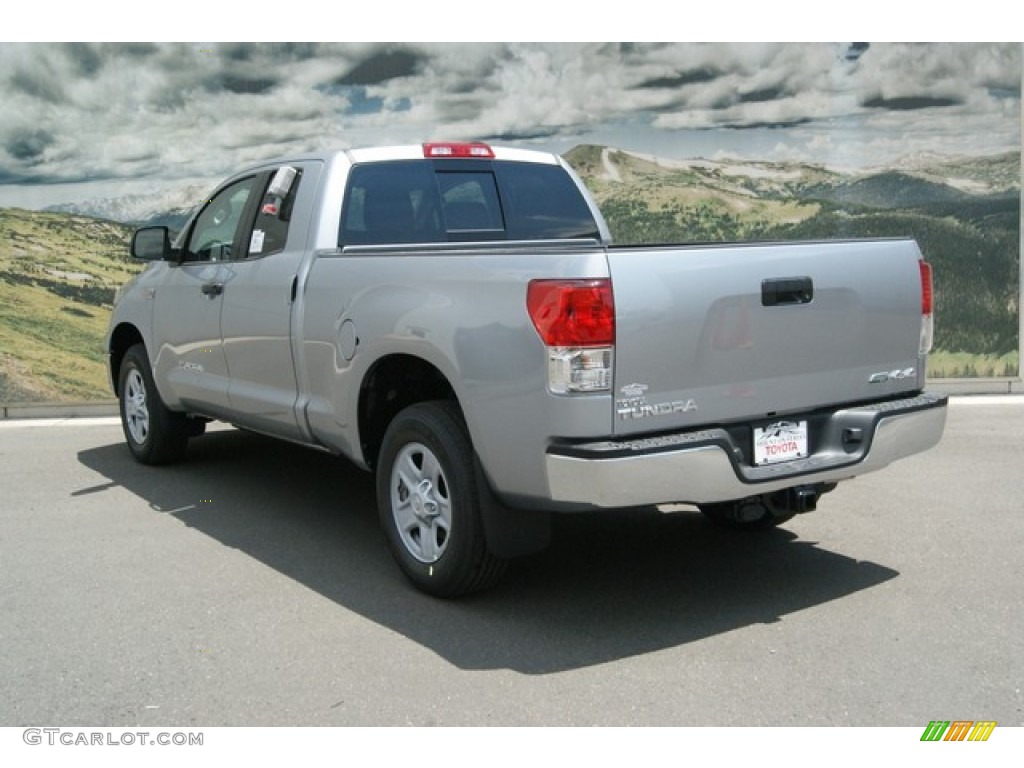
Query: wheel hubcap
(420, 502)
(136, 413)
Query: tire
(429, 502)
(744, 516)
(155, 435)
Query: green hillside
(889, 190)
(964, 213)
(976, 268)
(58, 274)
(649, 201)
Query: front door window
(215, 233)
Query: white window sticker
(256, 243)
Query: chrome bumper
(709, 465)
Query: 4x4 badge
(898, 375)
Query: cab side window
(215, 232)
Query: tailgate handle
(786, 290)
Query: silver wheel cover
(421, 503)
(136, 412)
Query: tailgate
(718, 334)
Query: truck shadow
(611, 586)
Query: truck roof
(415, 151)
(410, 152)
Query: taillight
(572, 313)
(576, 321)
(926, 287)
(927, 303)
(457, 149)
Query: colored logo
(958, 730)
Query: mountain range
(742, 185)
(170, 207)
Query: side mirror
(152, 244)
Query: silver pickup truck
(453, 317)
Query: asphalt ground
(251, 586)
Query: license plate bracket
(779, 442)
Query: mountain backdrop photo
(678, 142)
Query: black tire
(743, 516)
(155, 435)
(429, 502)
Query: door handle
(213, 289)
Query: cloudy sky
(83, 120)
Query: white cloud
(77, 113)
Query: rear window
(423, 201)
(542, 202)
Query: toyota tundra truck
(454, 318)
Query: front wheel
(155, 435)
(429, 502)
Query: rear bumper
(710, 465)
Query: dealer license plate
(781, 441)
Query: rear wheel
(429, 502)
(155, 435)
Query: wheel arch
(122, 338)
(391, 384)
(399, 380)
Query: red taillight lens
(572, 313)
(927, 299)
(457, 149)
(926, 287)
